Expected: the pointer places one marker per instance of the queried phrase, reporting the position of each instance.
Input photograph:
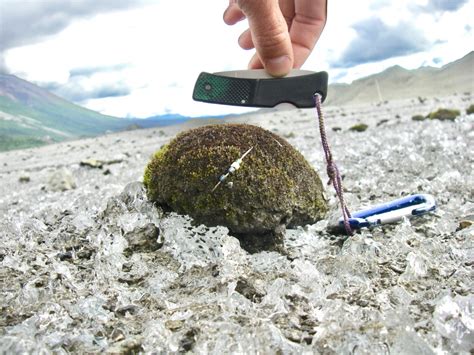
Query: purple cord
(332, 170)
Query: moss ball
(360, 127)
(470, 110)
(418, 118)
(275, 186)
(444, 114)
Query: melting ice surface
(101, 269)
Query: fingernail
(279, 66)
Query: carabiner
(391, 212)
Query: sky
(140, 58)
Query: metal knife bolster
(235, 88)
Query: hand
(284, 32)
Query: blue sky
(140, 58)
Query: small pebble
(174, 324)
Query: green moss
(470, 110)
(444, 114)
(360, 127)
(418, 118)
(275, 185)
(148, 175)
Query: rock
(128, 309)
(65, 256)
(61, 180)
(188, 340)
(274, 186)
(92, 163)
(246, 289)
(144, 238)
(174, 325)
(127, 346)
(466, 222)
(99, 164)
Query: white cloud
(157, 50)
(445, 30)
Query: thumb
(269, 35)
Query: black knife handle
(225, 90)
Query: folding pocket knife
(255, 88)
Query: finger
(269, 34)
(255, 62)
(233, 14)
(245, 40)
(306, 28)
(301, 54)
(287, 8)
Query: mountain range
(399, 83)
(32, 116)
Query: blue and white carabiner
(391, 212)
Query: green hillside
(31, 116)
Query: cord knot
(331, 168)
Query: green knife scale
(254, 88)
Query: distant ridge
(32, 116)
(399, 83)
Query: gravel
(87, 264)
